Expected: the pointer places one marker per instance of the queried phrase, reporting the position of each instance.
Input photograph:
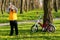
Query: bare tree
(25, 5)
(47, 11)
(21, 9)
(2, 7)
(58, 4)
(55, 2)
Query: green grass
(30, 15)
(26, 34)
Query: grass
(25, 29)
(30, 15)
(26, 34)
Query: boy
(12, 10)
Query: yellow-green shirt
(12, 15)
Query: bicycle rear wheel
(51, 28)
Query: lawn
(26, 34)
(30, 15)
(25, 28)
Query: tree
(16, 2)
(55, 2)
(2, 6)
(47, 11)
(21, 9)
(26, 4)
(9, 1)
(37, 3)
(58, 4)
(29, 4)
(32, 4)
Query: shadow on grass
(56, 23)
(27, 32)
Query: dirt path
(4, 24)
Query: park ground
(25, 28)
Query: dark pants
(13, 25)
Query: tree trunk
(55, 2)
(58, 4)
(21, 9)
(2, 7)
(16, 3)
(9, 1)
(26, 5)
(47, 11)
(13, 2)
(29, 5)
(32, 4)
